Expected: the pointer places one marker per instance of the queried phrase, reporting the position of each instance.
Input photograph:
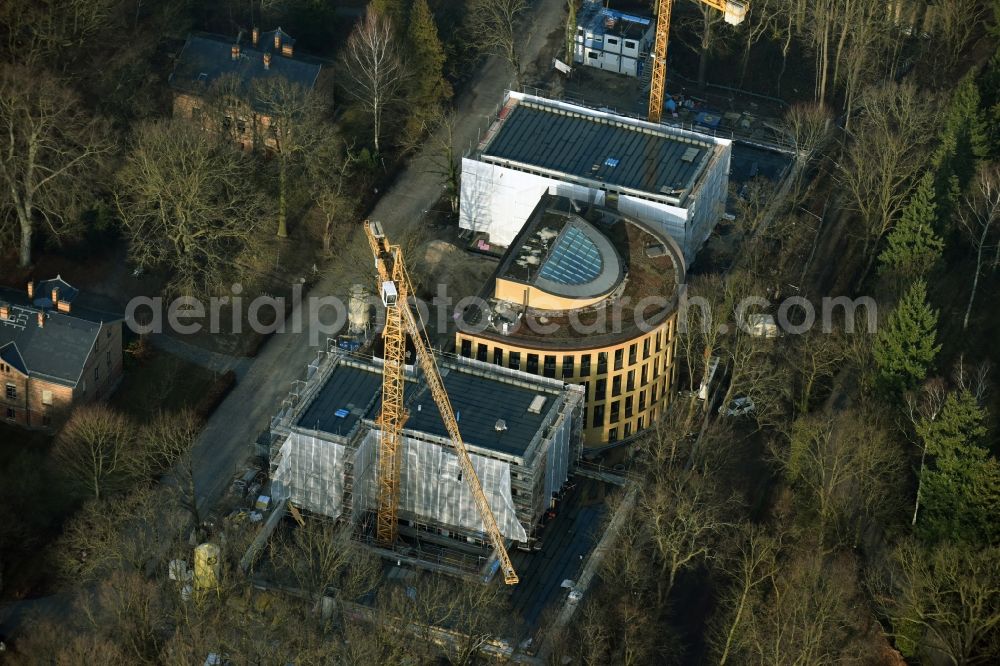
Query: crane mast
(395, 285)
(734, 13)
(394, 290)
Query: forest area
(851, 518)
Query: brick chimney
(286, 50)
(31, 289)
(62, 306)
(277, 39)
(235, 52)
(55, 297)
(41, 320)
(4, 311)
(255, 36)
(267, 61)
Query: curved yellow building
(587, 295)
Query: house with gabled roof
(207, 60)
(55, 352)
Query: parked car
(738, 407)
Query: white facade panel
(611, 62)
(496, 200)
(671, 219)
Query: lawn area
(161, 382)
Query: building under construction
(674, 179)
(522, 433)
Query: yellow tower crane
(395, 287)
(734, 11)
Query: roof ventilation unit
(500, 425)
(536, 405)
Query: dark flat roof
(350, 389)
(478, 403)
(566, 542)
(599, 149)
(478, 400)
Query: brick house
(210, 62)
(55, 353)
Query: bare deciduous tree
(56, 31)
(295, 128)
(879, 168)
(760, 20)
(122, 533)
(980, 220)
(127, 608)
(96, 449)
(329, 168)
(921, 407)
(809, 127)
(808, 617)
(955, 24)
(51, 146)
(752, 564)
(374, 68)
(846, 470)
(814, 358)
(683, 519)
(493, 24)
(943, 602)
(167, 443)
(322, 557)
(192, 205)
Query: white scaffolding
(311, 473)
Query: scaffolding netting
(311, 473)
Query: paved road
(230, 432)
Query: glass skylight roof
(574, 260)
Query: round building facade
(588, 296)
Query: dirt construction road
(228, 436)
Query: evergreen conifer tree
(904, 347)
(396, 11)
(425, 57)
(912, 247)
(964, 142)
(961, 484)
